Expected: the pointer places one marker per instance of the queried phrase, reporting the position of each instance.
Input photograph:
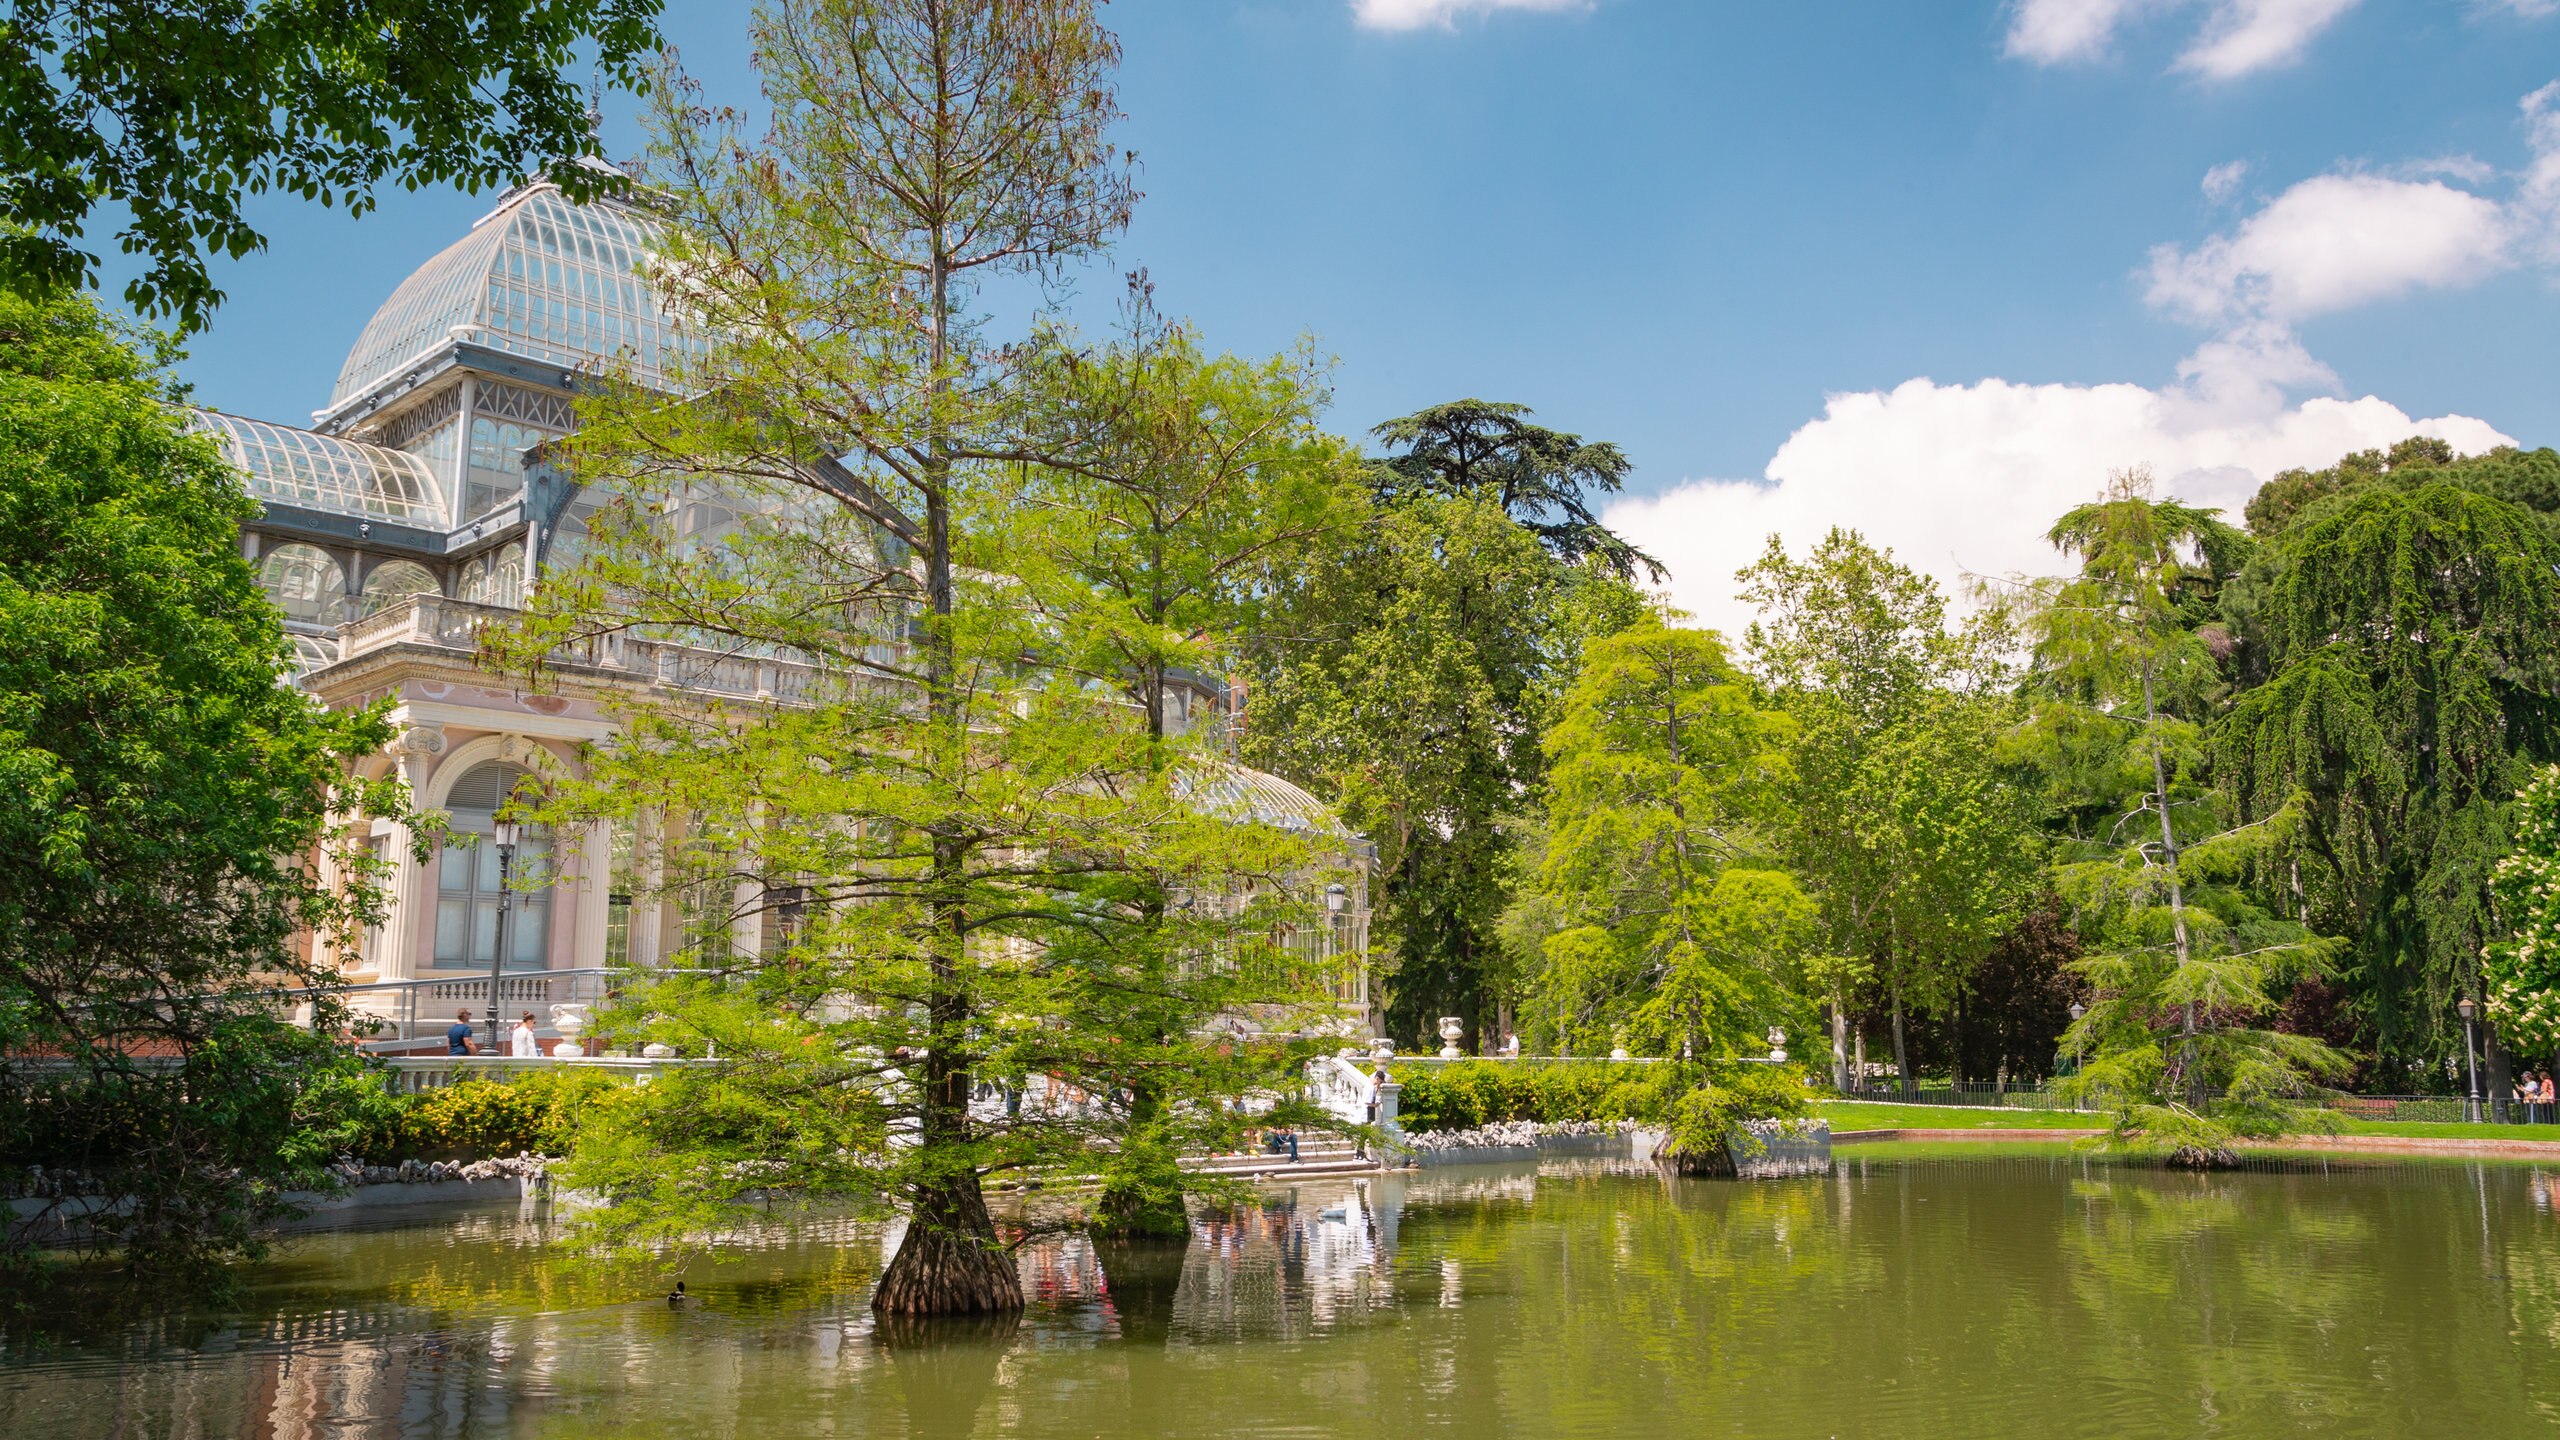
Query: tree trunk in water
(1901, 1052)
(1839, 1043)
(950, 1262)
(1142, 1188)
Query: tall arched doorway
(467, 877)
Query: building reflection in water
(470, 1327)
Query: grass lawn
(1870, 1115)
(1876, 1115)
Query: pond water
(2042, 1297)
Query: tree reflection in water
(1986, 1297)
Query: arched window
(467, 877)
(393, 581)
(506, 577)
(309, 653)
(304, 582)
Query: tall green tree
(947, 852)
(1656, 916)
(1544, 479)
(2410, 688)
(177, 113)
(2182, 967)
(1899, 821)
(1176, 485)
(1410, 673)
(174, 810)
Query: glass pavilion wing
(286, 466)
(543, 278)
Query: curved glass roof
(1255, 797)
(322, 472)
(541, 277)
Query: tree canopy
(170, 818)
(1543, 479)
(175, 114)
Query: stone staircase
(1319, 1155)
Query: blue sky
(1929, 269)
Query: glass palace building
(405, 519)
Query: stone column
(412, 908)
(595, 897)
(647, 935)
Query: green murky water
(1905, 1296)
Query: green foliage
(1661, 929)
(1473, 1093)
(1410, 673)
(538, 1112)
(201, 1151)
(170, 803)
(2520, 976)
(1699, 1105)
(1898, 817)
(962, 860)
(1543, 479)
(177, 112)
(2411, 685)
(2182, 965)
(2528, 479)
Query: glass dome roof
(541, 277)
(1254, 797)
(322, 472)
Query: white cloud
(2055, 32)
(2528, 9)
(2249, 35)
(1965, 479)
(2331, 243)
(2223, 179)
(1421, 14)
(2237, 37)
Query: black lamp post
(2471, 1059)
(2077, 1010)
(507, 834)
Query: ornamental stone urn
(657, 1050)
(1451, 1027)
(571, 1021)
(1382, 1050)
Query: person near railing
(457, 1036)
(521, 1042)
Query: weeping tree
(2412, 685)
(930, 871)
(2181, 965)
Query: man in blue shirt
(457, 1036)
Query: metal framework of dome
(287, 466)
(539, 277)
(1251, 795)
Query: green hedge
(1470, 1093)
(534, 1112)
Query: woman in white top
(520, 1041)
